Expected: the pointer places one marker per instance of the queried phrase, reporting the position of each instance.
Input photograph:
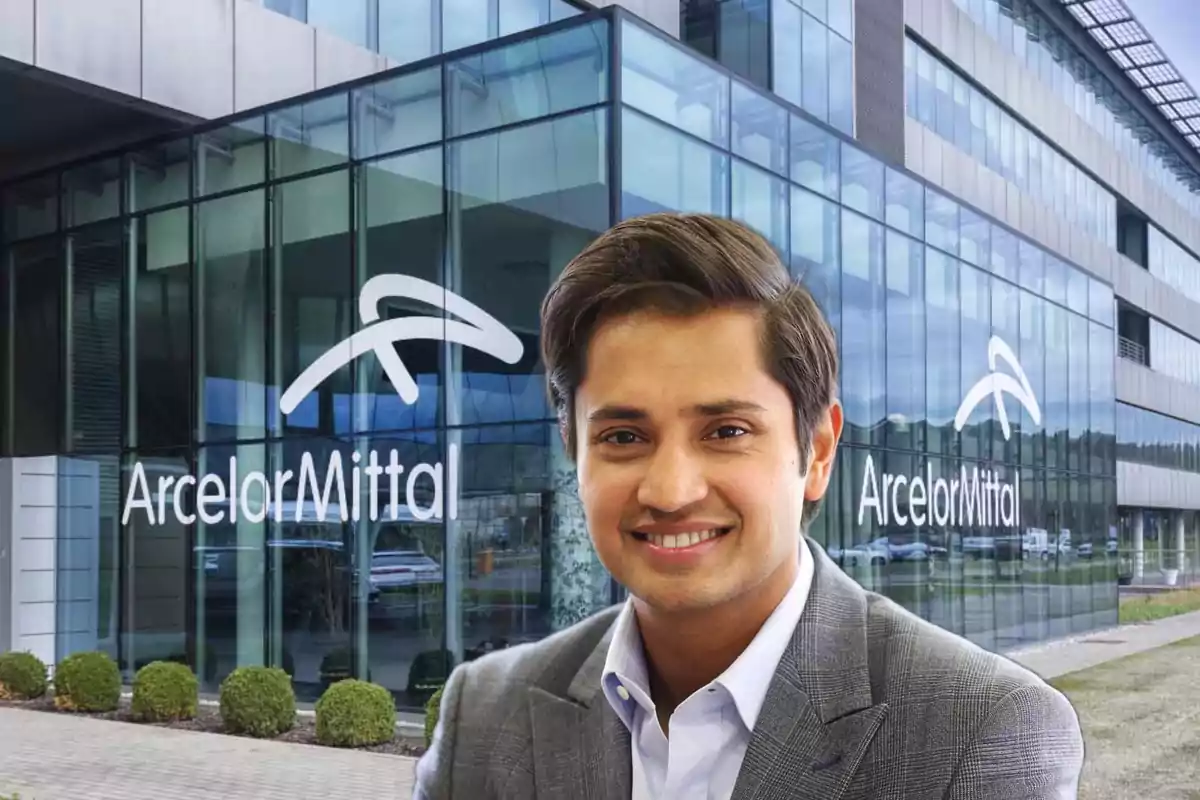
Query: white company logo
(255, 497)
(974, 496)
(997, 384)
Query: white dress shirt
(710, 730)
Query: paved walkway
(47, 756)
(63, 757)
(1052, 659)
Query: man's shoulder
(913, 657)
(550, 663)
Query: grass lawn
(1144, 608)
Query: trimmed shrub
(354, 713)
(87, 682)
(432, 710)
(258, 701)
(22, 676)
(164, 691)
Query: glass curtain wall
(152, 341)
(162, 302)
(920, 289)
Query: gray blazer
(868, 702)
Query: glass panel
(1033, 360)
(976, 300)
(1056, 408)
(31, 207)
(669, 171)
(310, 136)
(905, 203)
(665, 81)
(761, 201)
(863, 337)
(862, 182)
(943, 368)
(398, 114)
(1078, 393)
(536, 78)
(1006, 324)
(522, 15)
(786, 33)
(814, 66)
(841, 84)
(841, 17)
(816, 250)
(154, 560)
(400, 212)
(815, 158)
(759, 129)
(231, 157)
(1004, 254)
(160, 368)
(313, 300)
(409, 30)
(467, 22)
(231, 576)
(230, 285)
(36, 378)
(347, 19)
(1100, 303)
(96, 261)
(160, 175)
(905, 343)
(516, 219)
(92, 192)
(941, 222)
(975, 230)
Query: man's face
(689, 468)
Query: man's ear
(823, 442)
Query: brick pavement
(46, 756)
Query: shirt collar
(626, 682)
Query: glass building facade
(159, 301)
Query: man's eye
(621, 437)
(729, 432)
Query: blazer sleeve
(433, 771)
(1029, 747)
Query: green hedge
(87, 682)
(432, 710)
(258, 701)
(354, 713)
(164, 691)
(22, 677)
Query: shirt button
(622, 692)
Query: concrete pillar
(1139, 544)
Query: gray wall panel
(275, 56)
(98, 41)
(16, 30)
(1142, 386)
(338, 61)
(187, 57)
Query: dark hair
(685, 264)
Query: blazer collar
(816, 722)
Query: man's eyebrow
(722, 407)
(608, 413)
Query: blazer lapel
(818, 718)
(581, 749)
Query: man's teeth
(671, 542)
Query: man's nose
(674, 480)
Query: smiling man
(695, 385)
